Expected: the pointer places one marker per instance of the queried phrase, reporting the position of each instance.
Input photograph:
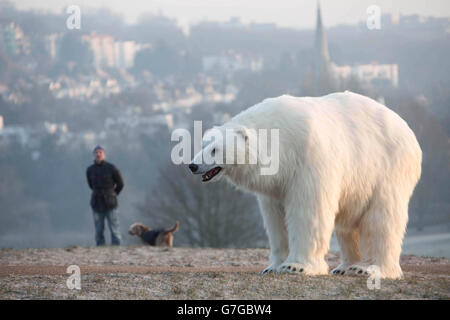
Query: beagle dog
(157, 237)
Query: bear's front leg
(273, 215)
(309, 225)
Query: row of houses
(108, 52)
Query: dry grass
(179, 273)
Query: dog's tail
(174, 229)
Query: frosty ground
(143, 272)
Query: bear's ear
(208, 132)
(243, 132)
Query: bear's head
(224, 149)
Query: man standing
(106, 183)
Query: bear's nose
(193, 167)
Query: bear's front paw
(291, 267)
(358, 270)
(270, 269)
(339, 270)
(307, 268)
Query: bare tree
(210, 215)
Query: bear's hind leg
(273, 214)
(348, 243)
(381, 231)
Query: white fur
(346, 162)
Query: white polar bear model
(345, 162)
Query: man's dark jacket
(106, 183)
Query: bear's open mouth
(211, 173)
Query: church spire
(323, 75)
(321, 39)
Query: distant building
(51, 44)
(376, 74)
(231, 62)
(110, 53)
(102, 47)
(124, 54)
(13, 39)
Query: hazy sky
(291, 13)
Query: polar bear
(346, 162)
